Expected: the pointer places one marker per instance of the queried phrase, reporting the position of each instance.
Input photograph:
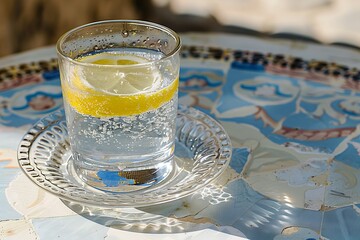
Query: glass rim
(137, 22)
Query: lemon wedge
(101, 91)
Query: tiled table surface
(292, 110)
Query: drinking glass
(119, 80)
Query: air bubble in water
(125, 33)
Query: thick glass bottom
(122, 179)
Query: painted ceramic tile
(70, 227)
(298, 233)
(17, 229)
(209, 234)
(201, 87)
(342, 223)
(37, 203)
(27, 104)
(294, 126)
(6, 210)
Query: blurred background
(28, 24)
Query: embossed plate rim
(34, 169)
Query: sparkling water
(124, 153)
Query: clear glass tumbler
(120, 81)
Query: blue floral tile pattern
(295, 129)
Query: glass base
(126, 180)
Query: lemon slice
(109, 91)
(111, 58)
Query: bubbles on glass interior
(125, 33)
(148, 54)
(141, 134)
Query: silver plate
(202, 153)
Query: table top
(292, 110)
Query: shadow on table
(183, 215)
(231, 205)
(155, 219)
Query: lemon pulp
(101, 91)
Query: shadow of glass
(177, 216)
(155, 219)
